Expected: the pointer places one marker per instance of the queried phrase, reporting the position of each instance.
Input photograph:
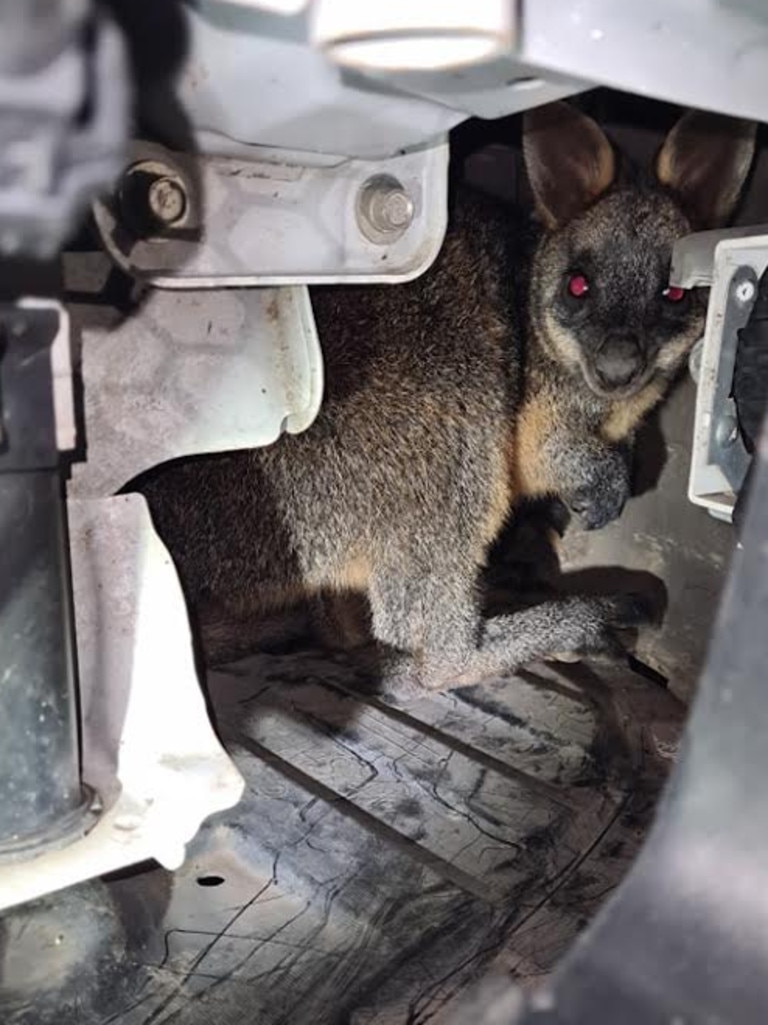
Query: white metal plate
(264, 221)
(193, 373)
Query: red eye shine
(578, 286)
(673, 294)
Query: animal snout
(619, 360)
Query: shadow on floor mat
(386, 851)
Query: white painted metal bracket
(273, 219)
(185, 374)
(193, 373)
(731, 262)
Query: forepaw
(601, 495)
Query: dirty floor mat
(389, 850)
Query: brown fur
(447, 399)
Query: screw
(167, 200)
(726, 431)
(384, 209)
(745, 292)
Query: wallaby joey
(490, 378)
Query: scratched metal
(386, 852)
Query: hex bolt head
(167, 200)
(745, 291)
(384, 209)
(154, 199)
(392, 209)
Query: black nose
(619, 359)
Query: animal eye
(578, 286)
(673, 294)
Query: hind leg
(434, 621)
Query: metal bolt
(726, 430)
(167, 200)
(384, 209)
(394, 209)
(154, 199)
(745, 292)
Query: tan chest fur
(625, 416)
(545, 415)
(528, 471)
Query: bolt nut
(154, 199)
(385, 211)
(392, 209)
(745, 291)
(167, 200)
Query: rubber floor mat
(387, 851)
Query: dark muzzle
(619, 360)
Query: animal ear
(569, 160)
(705, 160)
